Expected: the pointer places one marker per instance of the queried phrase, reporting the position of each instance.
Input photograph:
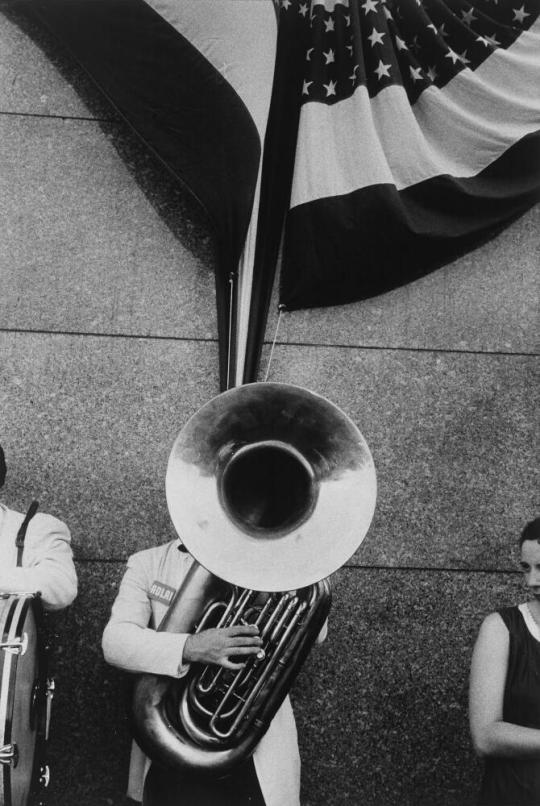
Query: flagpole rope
(229, 345)
(281, 308)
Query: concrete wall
(108, 344)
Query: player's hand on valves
(217, 645)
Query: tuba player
(130, 642)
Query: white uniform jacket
(47, 560)
(130, 642)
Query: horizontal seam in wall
(348, 567)
(318, 345)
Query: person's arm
(491, 735)
(130, 644)
(50, 569)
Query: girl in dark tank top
(505, 692)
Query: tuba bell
(271, 488)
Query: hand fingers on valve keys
(229, 647)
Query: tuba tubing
(183, 745)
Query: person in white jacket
(43, 562)
(131, 642)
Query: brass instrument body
(271, 488)
(213, 718)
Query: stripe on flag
(417, 140)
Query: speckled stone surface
(88, 425)
(36, 76)
(94, 237)
(454, 439)
(89, 747)
(487, 300)
(381, 706)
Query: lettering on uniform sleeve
(161, 592)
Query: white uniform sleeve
(50, 569)
(128, 642)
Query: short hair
(531, 532)
(2, 467)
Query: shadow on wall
(175, 205)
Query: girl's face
(530, 565)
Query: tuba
(271, 488)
